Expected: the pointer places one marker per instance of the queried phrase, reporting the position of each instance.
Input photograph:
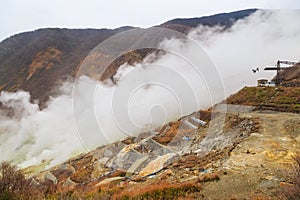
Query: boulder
(51, 177)
(110, 180)
(156, 165)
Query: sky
(26, 15)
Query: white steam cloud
(259, 41)
(29, 136)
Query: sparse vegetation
(284, 99)
(209, 177)
(292, 192)
(161, 190)
(13, 184)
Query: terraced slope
(286, 99)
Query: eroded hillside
(248, 154)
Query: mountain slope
(225, 20)
(39, 60)
(36, 61)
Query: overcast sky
(24, 15)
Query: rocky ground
(241, 154)
(260, 165)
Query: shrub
(13, 184)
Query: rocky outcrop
(156, 165)
(138, 158)
(237, 153)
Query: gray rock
(51, 177)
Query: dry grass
(292, 192)
(168, 135)
(209, 177)
(284, 99)
(159, 190)
(82, 175)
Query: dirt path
(259, 165)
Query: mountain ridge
(221, 19)
(19, 52)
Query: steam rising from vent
(258, 41)
(168, 88)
